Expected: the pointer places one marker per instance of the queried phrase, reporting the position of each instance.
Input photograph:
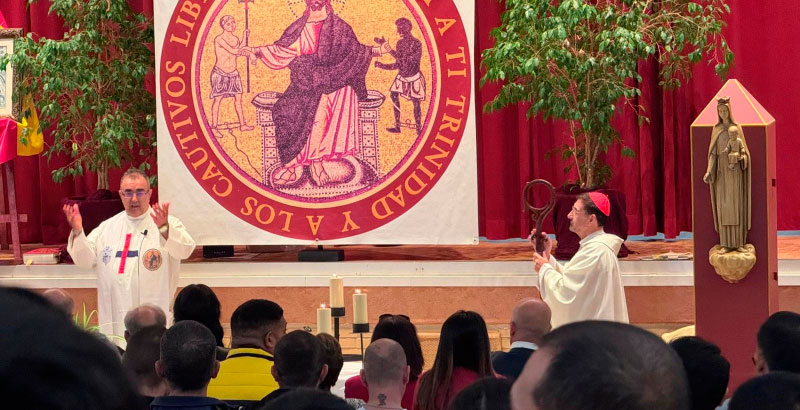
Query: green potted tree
(89, 90)
(577, 60)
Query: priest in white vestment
(589, 286)
(136, 254)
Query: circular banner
(316, 119)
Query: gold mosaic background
(268, 20)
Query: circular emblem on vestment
(316, 119)
(152, 259)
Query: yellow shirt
(245, 375)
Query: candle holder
(336, 313)
(361, 328)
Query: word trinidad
(269, 203)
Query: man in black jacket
(530, 321)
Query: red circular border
(331, 222)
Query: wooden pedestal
(729, 315)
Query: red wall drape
(511, 148)
(656, 183)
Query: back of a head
(778, 339)
(141, 354)
(708, 371)
(463, 342)
(402, 331)
(144, 316)
(188, 355)
(384, 363)
(307, 399)
(60, 299)
(488, 393)
(199, 303)
(254, 318)
(531, 319)
(607, 366)
(771, 391)
(333, 358)
(464, 336)
(299, 357)
(48, 363)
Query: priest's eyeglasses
(576, 210)
(129, 193)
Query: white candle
(360, 307)
(336, 289)
(324, 320)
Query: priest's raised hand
(74, 218)
(160, 214)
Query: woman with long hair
(463, 357)
(199, 303)
(402, 331)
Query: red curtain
(512, 149)
(37, 195)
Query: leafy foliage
(89, 86)
(83, 320)
(576, 59)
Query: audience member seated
(61, 299)
(299, 362)
(188, 362)
(139, 360)
(333, 358)
(708, 371)
(307, 399)
(386, 374)
(46, 362)
(530, 320)
(199, 303)
(776, 390)
(401, 330)
(143, 316)
(246, 375)
(595, 365)
(488, 393)
(462, 357)
(777, 344)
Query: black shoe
(394, 130)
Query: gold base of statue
(732, 265)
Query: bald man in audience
(385, 374)
(530, 321)
(60, 299)
(143, 316)
(598, 365)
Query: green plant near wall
(83, 320)
(89, 86)
(575, 60)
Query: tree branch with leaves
(89, 86)
(576, 59)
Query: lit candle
(360, 307)
(324, 320)
(336, 292)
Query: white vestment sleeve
(180, 244)
(562, 287)
(82, 248)
(557, 266)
